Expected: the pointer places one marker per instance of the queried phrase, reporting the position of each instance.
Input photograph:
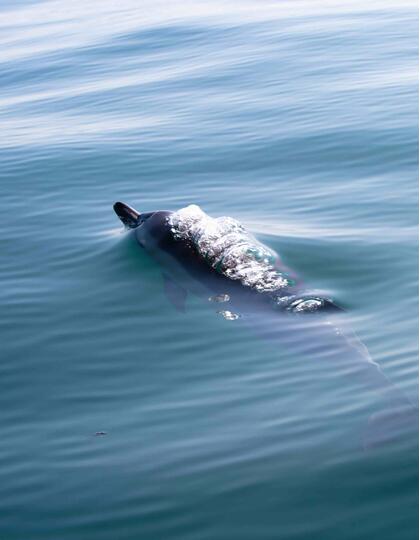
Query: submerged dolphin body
(219, 261)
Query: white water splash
(228, 248)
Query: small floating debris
(229, 315)
(219, 298)
(100, 433)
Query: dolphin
(219, 261)
(187, 268)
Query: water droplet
(309, 305)
(229, 315)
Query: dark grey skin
(304, 335)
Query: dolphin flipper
(176, 295)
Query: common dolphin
(207, 256)
(218, 260)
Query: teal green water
(300, 120)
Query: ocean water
(122, 418)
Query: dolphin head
(150, 228)
(130, 217)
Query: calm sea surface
(300, 120)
